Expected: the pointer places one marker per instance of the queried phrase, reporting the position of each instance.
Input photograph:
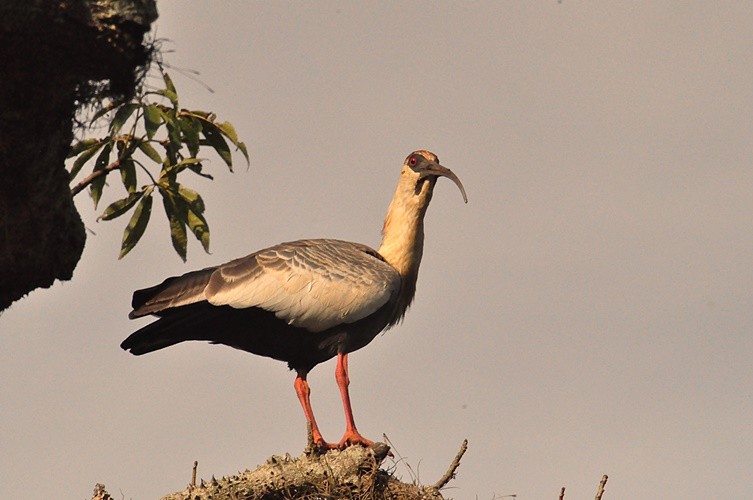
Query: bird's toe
(354, 438)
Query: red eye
(412, 162)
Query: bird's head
(423, 169)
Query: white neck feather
(403, 232)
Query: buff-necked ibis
(305, 301)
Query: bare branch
(453, 467)
(93, 176)
(562, 493)
(603, 483)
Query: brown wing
(312, 284)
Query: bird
(302, 302)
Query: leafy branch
(158, 132)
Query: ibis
(302, 302)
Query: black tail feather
(152, 337)
(253, 330)
(179, 325)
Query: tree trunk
(53, 53)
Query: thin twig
(562, 493)
(414, 476)
(93, 176)
(603, 483)
(193, 473)
(453, 467)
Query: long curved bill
(438, 170)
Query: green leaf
(242, 147)
(152, 120)
(97, 184)
(169, 82)
(121, 116)
(168, 177)
(148, 150)
(176, 215)
(228, 131)
(81, 146)
(171, 96)
(118, 208)
(104, 157)
(190, 127)
(169, 91)
(196, 168)
(192, 199)
(199, 227)
(136, 226)
(96, 187)
(214, 138)
(183, 164)
(128, 174)
(175, 142)
(121, 148)
(102, 112)
(195, 215)
(86, 156)
(203, 114)
(173, 133)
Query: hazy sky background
(589, 311)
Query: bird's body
(305, 301)
(289, 315)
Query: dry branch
(453, 467)
(94, 176)
(603, 483)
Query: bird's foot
(355, 438)
(352, 437)
(316, 443)
(324, 445)
(319, 447)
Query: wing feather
(173, 292)
(312, 284)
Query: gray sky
(589, 311)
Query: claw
(351, 438)
(323, 445)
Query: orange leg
(352, 436)
(303, 391)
